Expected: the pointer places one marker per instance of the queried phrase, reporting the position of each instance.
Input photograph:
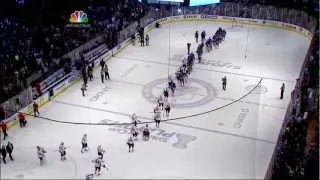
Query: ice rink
(224, 134)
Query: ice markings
(132, 68)
(241, 117)
(176, 139)
(99, 94)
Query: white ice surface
(220, 148)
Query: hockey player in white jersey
(130, 143)
(84, 143)
(101, 151)
(157, 115)
(98, 163)
(41, 154)
(62, 151)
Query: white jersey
(156, 109)
(100, 149)
(41, 152)
(130, 140)
(157, 113)
(84, 140)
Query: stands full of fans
(297, 152)
(27, 47)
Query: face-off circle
(195, 92)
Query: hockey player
(134, 132)
(84, 142)
(188, 47)
(62, 151)
(90, 72)
(98, 163)
(157, 115)
(100, 151)
(22, 120)
(209, 44)
(3, 153)
(102, 75)
(141, 40)
(9, 149)
(224, 83)
(4, 129)
(41, 154)
(282, 91)
(184, 72)
(84, 75)
(102, 63)
(200, 51)
(35, 107)
(196, 35)
(160, 101)
(130, 143)
(203, 36)
(146, 133)
(106, 72)
(167, 108)
(83, 89)
(172, 86)
(165, 93)
(147, 40)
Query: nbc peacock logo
(78, 17)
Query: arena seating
(29, 47)
(297, 151)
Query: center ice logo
(194, 93)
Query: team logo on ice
(194, 93)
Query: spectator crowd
(297, 152)
(29, 47)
